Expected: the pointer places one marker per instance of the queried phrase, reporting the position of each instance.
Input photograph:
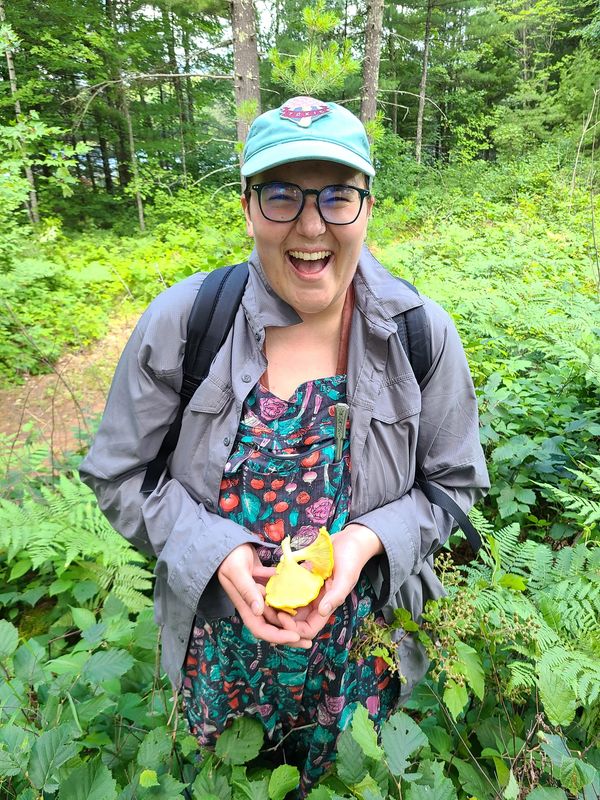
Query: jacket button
(208, 502)
(226, 441)
(246, 378)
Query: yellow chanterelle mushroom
(294, 586)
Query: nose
(310, 223)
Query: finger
(257, 625)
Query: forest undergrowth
(511, 706)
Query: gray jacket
(394, 425)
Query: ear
(370, 204)
(246, 207)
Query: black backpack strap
(439, 498)
(415, 337)
(210, 320)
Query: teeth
(310, 256)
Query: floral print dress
(282, 480)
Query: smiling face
(308, 262)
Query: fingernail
(325, 609)
(255, 608)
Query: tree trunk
(423, 84)
(189, 88)
(108, 180)
(32, 205)
(134, 164)
(368, 101)
(245, 63)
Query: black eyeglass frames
(339, 204)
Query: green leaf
(20, 568)
(515, 582)
(455, 697)
(283, 779)
(13, 759)
(401, 737)
(149, 778)
(558, 698)
(443, 789)
(156, 748)
(49, 752)
(210, 781)
(241, 742)
(364, 733)
(320, 793)
(546, 793)
(168, 789)
(475, 781)
(83, 618)
(440, 740)
(470, 667)
(350, 762)
(90, 781)
(107, 664)
(28, 662)
(511, 791)
(9, 639)
(68, 664)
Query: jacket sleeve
(449, 453)
(188, 541)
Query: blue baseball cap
(303, 129)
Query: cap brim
(308, 150)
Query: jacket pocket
(209, 398)
(390, 447)
(203, 430)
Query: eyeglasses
(283, 202)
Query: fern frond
(67, 530)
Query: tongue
(309, 267)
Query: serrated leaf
(90, 781)
(440, 740)
(9, 639)
(283, 779)
(401, 737)
(83, 618)
(558, 698)
(443, 789)
(13, 759)
(546, 793)
(364, 733)
(155, 748)
(211, 782)
(512, 790)
(241, 742)
(470, 667)
(475, 781)
(107, 664)
(68, 664)
(28, 662)
(148, 777)
(48, 753)
(168, 789)
(455, 697)
(350, 762)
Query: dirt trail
(51, 409)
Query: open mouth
(309, 263)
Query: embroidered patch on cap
(304, 110)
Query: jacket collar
(379, 296)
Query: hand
(243, 578)
(352, 548)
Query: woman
(256, 458)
